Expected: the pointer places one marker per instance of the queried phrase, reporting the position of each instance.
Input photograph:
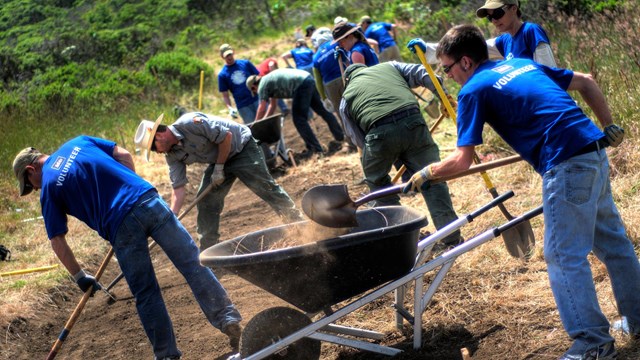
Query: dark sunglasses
(447, 68)
(497, 13)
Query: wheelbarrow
(381, 255)
(268, 132)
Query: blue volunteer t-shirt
(303, 57)
(370, 57)
(326, 63)
(526, 103)
(82, 179)
(234, 78)
(379, 32)
(523, 44)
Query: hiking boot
(233, 331)
(623, 325)
(602, 352)
(334, 146)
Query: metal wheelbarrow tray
(317, 275)
(285, 333)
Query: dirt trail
(480, 306)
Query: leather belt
(395, 116)
(591, 147)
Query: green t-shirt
(281, 83)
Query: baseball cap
(145, 134)
(365, 19)
(492, 5)
(225, 50)
(340, 19)
(24, 158)
(252, 80)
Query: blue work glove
(338, 53)
(418, 179)
(615, 134)
(411, 45)
(86, 282)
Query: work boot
(623, 325)
(233, 331)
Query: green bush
(178, 69)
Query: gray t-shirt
(199, 136)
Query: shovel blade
(520, 240)
(330, 205)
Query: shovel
(519, 240)
(331, 206)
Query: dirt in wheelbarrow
(489, 306)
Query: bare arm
(65, 254)
(227, 100)
(593, 96)
(286, 56)
(357, 58)
(177, 199)
(262, 109)
(224, 148)
(374, 45)
(459, 160)
(273, 103)
(123, 157)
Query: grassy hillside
(98, 67)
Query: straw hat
(145, 134)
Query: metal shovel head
(519, 240)
(330, 205)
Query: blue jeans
(249, 166)
(305, 97)
(580, 217)
(152, 217)
(248, 113)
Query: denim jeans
(249, 167)
(248, 113)
(580, 217)
(407, 141)
(305, 97)
(152, 217)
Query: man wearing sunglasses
(527, 104)
(518, 40)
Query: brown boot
(233, 331)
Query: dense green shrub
(178, 70)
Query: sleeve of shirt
(222, 83)
(416, 75)
(535, 35)
(352, 129)
(55, 218)
(560, 76)
(252, 69)
(177, 173)
(105, 145)
(470, 120)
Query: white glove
(328, 105)
(233, 113)
(217, 177)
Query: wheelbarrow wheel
(274, 324)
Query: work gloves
(411, 45)
(454, 105)
(614, 134)
(328, 105)
(340, 53)
(418, 179)
(233, 113)
(428, 49)
(217, 177)
(86, 282)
